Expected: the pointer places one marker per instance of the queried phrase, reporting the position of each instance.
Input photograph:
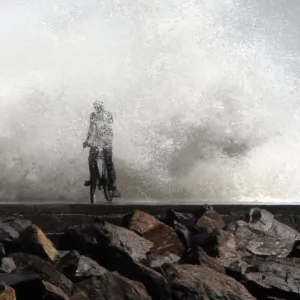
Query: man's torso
(102, 134)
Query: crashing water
(204, 94)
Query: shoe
(87, 183)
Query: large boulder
(27, 263)
(7, 265)
(79, 267)
(112, 286)
(197, 256)
(7, 233)
(53, 292)
(17, 224)
(187, 220)
(210, 221)
(263, 235)
(7, 293)
(155, 260)
(163, 237)
(220, 244)
(273, 277)
(26, 286)
(33, 240)
(105, 237)
(199, 282)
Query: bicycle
(100, 181)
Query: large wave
(204, 94)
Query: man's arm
(91, 129)
(110, 118)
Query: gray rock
(199, 282)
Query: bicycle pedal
(116, 194)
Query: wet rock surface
(163, 237)
(199, 282)
(176, 256)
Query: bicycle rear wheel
(108, 194)
(93, 186)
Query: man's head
(98, 105)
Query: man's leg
(92, 156)
(107, 153)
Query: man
(100, 137)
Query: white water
(205, 96)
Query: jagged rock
(2, 250)
(188, 220)
(78, 267)
(156, 260)
(264, 221)
(7, 233)
(263, 235)
(94, 241)
(220, 244)
(79, 295)
(163, 237)
(199, 282)
(26, 286)
(61, 254)
(210, 221)
(109, 238)
(112, 286)
(7, 293)
(183, 224)
(198, 256)
(273, 277)
(34, 264)
(18, 225)
(33, 240)
(53, 292)
(260, 244)
(7, 265)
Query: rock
(219, 244)
(183, 233)
(157, 260)
(199, 257)
(7, 265)
(112, 286)
(7, 293)
(54, 292)
(94, 241)
(199, 282)
(263, 221)
(183, 224)
(19, 225)
(274, 277)
(161, 235)
(188, 220)
(110, 238)
(34, 264)
(26, 286)
(263, 235)
(78, 267)
(7, 233)
(155, 283)
(33, 240)
(2, 250)
(79, 295)
(258, 243)
(210, 221)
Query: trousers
(107, 155)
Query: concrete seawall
(53, 218)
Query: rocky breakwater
(174, 257)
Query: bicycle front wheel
(108, 194)
(93, 186)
